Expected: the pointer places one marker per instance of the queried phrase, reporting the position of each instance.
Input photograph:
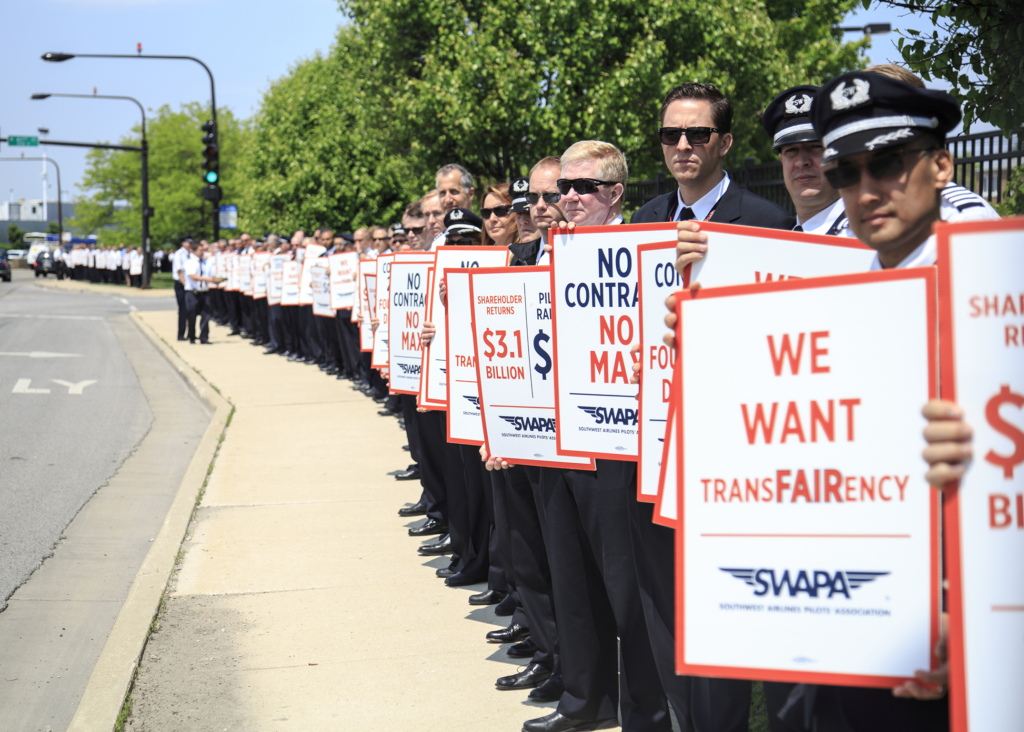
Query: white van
(35, 243)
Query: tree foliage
(977, 46)
(175, 178)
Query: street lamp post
(146, 212)
(58, 57)
(60, 208)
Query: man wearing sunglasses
(694, 134)
(787, 120)
(593, 575)
(415, 225)
(545, 200)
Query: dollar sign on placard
(489, 351)
(542, 370)
(1000, 425)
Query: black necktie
(686, 214)
(798, 227)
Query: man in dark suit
(695, 138)
(694, 135)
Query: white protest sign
(742, 255)
(981, 316)
(290, 273)
(512, 341)
(234, 273)
(320, 286)
(380, 312)
(275, 278)
(260, 262)
(245, 274)
(421, 393)
(369, 299)
(309, 260)
(665, 513)
(807, 538)
(464, 424)
(408, 304)
(596, 322)
(435, 357)
(344, 274)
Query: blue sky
(246, 43)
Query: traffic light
(211, 162)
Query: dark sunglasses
(416, 230)
(380, 238)
(694, 135)
(499, 211)
(549, 198)
(463, 241)
(884, 165)
(582, 186)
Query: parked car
(5, 266)
(45, 264)
(16, 253)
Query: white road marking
(123, 301)
(74, 389)
(40, 354)
(24, 386)
(51, 317)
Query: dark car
(5, 266)
(45, 264)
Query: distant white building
(27, 210)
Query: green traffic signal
(211, 176)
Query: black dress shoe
(310, 361)
(235, 332)
(380, 399)
(463, 580)
(437, 550)
(413, 474)
(487, 597)
(430, 527)
(417, 509)
(405, 447)
(271, 351)
(532, 676)
(512, 634)
(182, 338)
(526, 649)
(506, 607)
(556, 722)
(550, 691)
(445, 572)
(401, 424)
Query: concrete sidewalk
(92, 288)
(300, 602)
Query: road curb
(94, 289)
(112, 676)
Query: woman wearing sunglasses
(499, 220)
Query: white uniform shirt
(177, 261)
(194, 266)
(960, 204)
(821, 222)
(702, 209)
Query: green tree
(977, 46)
(323, 148)
(499, 85)
(175, 178)
(15, 236)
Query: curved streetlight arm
(101, 96)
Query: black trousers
(348, 336)
(479, 519)
(310, 340)
(853, 709)
(179, 295)
(274, 325)
(290, 329)
(597, 598)
(327, 332)
(196, 303)
(435, 453)
(526, 556)
(235, 311)
(412, 427)
(262, 320)
(136, 280)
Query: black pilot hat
(518, 189)
(863, 112)
(462, 220)
(398, 230)
(787, 120)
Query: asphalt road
(71, 411)
(96, 433)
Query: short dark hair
(721, 108)
(415, 209)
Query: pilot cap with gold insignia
(863, 112)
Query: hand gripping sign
(512, 340)
(343, 279)
(594, 301)
(320, 286)
(981, 316)
(737, 255)
(435, 367)
(807, 540)
(406, 310)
